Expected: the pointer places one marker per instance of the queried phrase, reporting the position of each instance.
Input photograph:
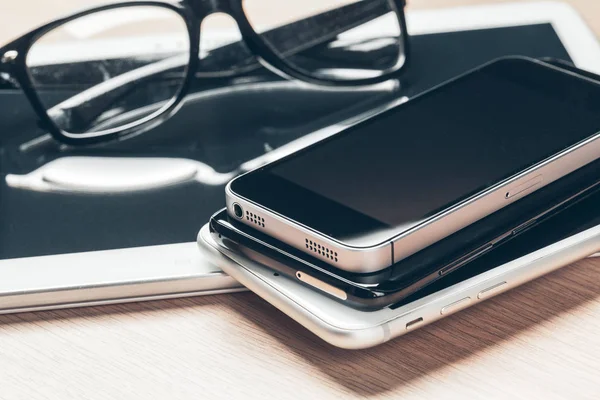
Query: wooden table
(539, 341)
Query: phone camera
(238, 210)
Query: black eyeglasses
(118, 70)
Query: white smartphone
(564, 239)
(389, 186)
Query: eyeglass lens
(110, 69)
(337, 39)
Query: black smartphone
(402, 279)
(435, 262)
(383, 189)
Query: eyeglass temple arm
(303, 34)
(292, 38)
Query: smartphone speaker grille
(321, 250)
(251, 217)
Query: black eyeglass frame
(13, 61)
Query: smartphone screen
(407, 164)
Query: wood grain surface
(541, 340)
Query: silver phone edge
(109, 277)
(428, 309)
(399, 246)
(100, 300)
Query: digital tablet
(138, 206)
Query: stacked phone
(463, 192)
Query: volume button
(457, 305)
(492, 290)
(524, 226)
(465, 259)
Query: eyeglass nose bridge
(204, 8)
(246, 51)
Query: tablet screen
(40, 223)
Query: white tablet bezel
(578, 39)
(69, 280)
